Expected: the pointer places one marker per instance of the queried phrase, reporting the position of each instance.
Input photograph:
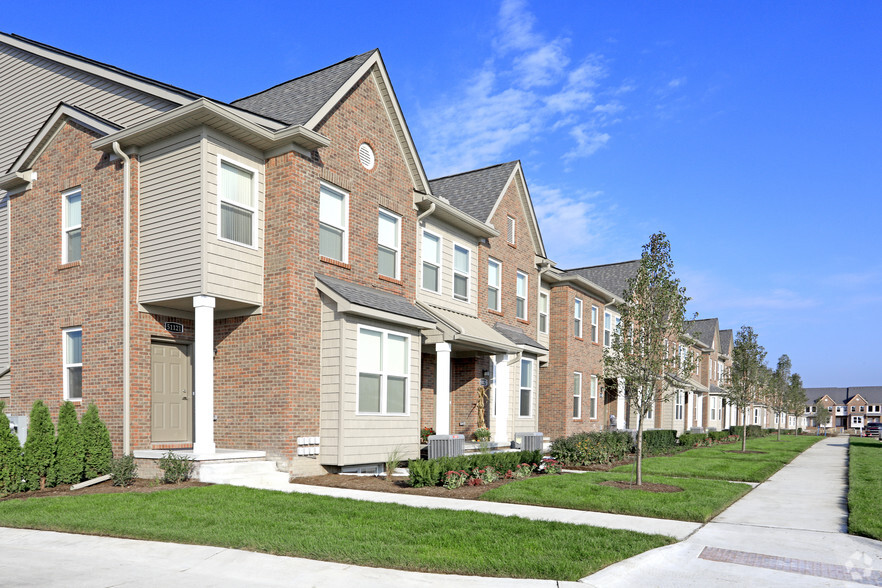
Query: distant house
(850, 408)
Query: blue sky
(749, 132)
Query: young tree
(96, 444)
(795, 401)
(653, 313)
(69, 453)
(10, 456)
(777, 389)
(39, 447)
(746, 375)
(822, 416)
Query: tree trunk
(779, 427)
(640, 450)
(744, 430)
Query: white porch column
(442, 388)
(690, 409)
(699, 410)
(621, 406)
(503, 404)
(203, 438)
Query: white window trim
(577, 394)
(577, 317)
(252, 209)
(67, 229)
(510, 225)
(595, 331)
(497, 285)
(540, 314)
(532, 388)
(397, 218)
(468, 276)
(383, 376)
(345, 227)
(678, 405)
(593, 396)
(423, 261)
(66, 366)
(607, 328)
(525, 297)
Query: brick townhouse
(850, 408)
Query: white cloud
(588, 141)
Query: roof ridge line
(600, 265)
(475, 170)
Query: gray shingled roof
(474, 192)
(517, 336)
(703, 330)
(294, 102)
(612, 276)
(872, 394)
(373, 298)
(726, 342)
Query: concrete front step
(236, 473)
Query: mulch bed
(140, 486)
(644, 486)
(398, 485)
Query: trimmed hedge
(96, 444)
(69, 452)
(431, 472)
(753, 431)
(659, 441)
(590, 448)
(691, 439)
(39, 448)
(10, 457)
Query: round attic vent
(366, 156)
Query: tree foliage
(795, 402)
(653, 317)
(778, 387)
(10, 456)
(747, 375)
(822, 414)
(96, 444)
(39, 448)
(69, 454)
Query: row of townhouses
(849, 408)
(278, 275)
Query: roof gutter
(127, 271)
(454, 215)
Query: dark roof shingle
(726, 342)
(474, 192)
(296, 101)
(517, 336)
(703, 330)
(612, 276)
(373, 298)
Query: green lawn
(700, 500)
(719, 462)
(865, 487)
(341, 530)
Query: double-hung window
(607, 329)
(431, 262)
(238, 207)
(334, 224)
(388, 244)
(543, 312)
(383, 374)
(577, 395)
(593, 407)
(678, 405)
(71, 237)
(494, 274)
(594, 324)
(73, 363)
(462, 265)
(577, 318)
(521, 298)
(526, 399)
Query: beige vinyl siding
(366, 438)
(231, 271)
(171, 223)
(331, 370)
(4, 292)
(33, 86)
(667, 413)
(450, 236)
(517, 423)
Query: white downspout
(127, 270)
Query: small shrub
(424, 434)
(39, 448)
(11, 471)
(482, 434)
(69, 454)
(123, 470)
(524, 470)
(175, 468)
(690, 440)
(719, 436)
(455, 479)
(591, 448)
(431, 472)
(97, 451)
(551, 466)
(659, 441)
(799, 431)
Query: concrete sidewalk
(790, 530)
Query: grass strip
(340, 530)
(700, 500)
(865, 487)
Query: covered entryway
(171, 378)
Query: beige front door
(172, 393)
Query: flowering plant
(455, 479)
(424, 434)
(482, 434)
(550, 465)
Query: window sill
(334, 262)
(512, 245)
(578, 338)
(522, 321)
(71, 264)
(496, 312)
(390, 280)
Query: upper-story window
(543, 312)
(334, 224)
(431, 262)
(511, 231)
(462, 265)
(72, 222)
(383, 372)
(388, 244)
(238, 207)
(494, 274)
(594, 324)
(607, 329)
(73, 363)
(577, 318)
(521, 303)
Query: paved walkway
(789, 531)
